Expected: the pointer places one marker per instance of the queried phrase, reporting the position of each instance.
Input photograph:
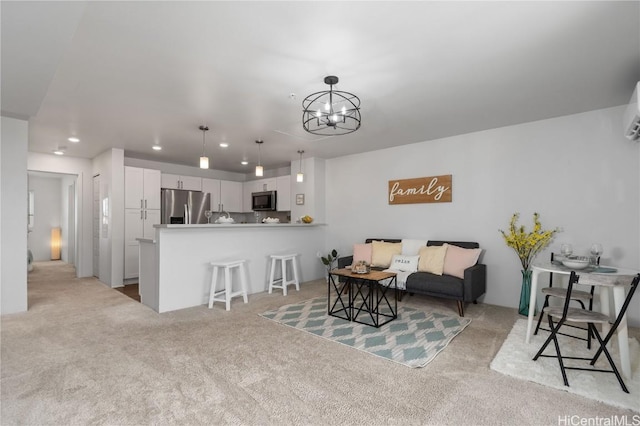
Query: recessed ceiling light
(224, 145)
(73, 139)
(58, 152)
(156, 148)
(244, 162)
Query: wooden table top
(372, 275)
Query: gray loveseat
(469, 289)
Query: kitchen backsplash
(256, 217)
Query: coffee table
(362, 298)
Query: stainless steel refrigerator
(181, 206)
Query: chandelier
(331, 112)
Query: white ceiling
(131, 74)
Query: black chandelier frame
(342, 116)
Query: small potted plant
(329, 260)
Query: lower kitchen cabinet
(138, 223)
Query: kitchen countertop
(236, 225)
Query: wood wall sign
(431, 189)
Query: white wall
(82, 168)
(577, 171)
(13, 215)
(47, 214)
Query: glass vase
(525, 293)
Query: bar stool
(283, 258)
(227, 293)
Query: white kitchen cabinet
(138, 223)
(269, 184)
(231, 196)
(141, 188)
(191, 183)
(284, 193)
(142, 211)
(248, 188)
(225, 194)
(212, 187)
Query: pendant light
(204, 160)
(259, 169)
(300, 176)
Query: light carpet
(515, 359)
(413, 339)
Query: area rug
(515, 359)
(413, 339)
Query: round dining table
(619, 294)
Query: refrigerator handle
(187, 216)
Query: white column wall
(13, 215)
(313, 189)
(577, 171)
(110, 166)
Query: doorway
(53, 206)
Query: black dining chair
(590, 318)
(579, 296)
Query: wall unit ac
(631, 118)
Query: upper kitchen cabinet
(142, 188)
(190, 183)
(225, 195)
(269, 184)
(230, 196)
(284, 193)
(212, 187)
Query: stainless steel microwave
(261, 201)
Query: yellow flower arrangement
(527, 244)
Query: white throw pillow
(412, 247)
(404, 263)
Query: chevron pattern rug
(413, 339)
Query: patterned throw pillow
(404, 263)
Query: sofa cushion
(458, 259)
(404, 263)
(362, 252)
(412, 247)
(381, 253)
(432, 259)
(428, 283)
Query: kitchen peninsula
(174, 266)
